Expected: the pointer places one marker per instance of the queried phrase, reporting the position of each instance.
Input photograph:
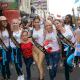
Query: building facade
(39, 4)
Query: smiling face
(4, 23)
(24, 36)
(15, 25)
(36, 23)
(58, 25)
(67, 19)
(15, 22)
(48, 26)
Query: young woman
(52, 47)
(4, 35)
(67, 50)
(38, 56)
(76, 55)
(77, 45)
(27, 48)
(68, 23)
(15, 50)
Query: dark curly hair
(71, 22)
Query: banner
(25, 6)
(9, 4)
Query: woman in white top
(52, 47)
(37, 34)
(4, 35)
(67, 48)
(16, 53)
(77, 45)
(68, 23)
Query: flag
(76, 1)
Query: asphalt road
(75, 75)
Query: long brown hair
(8, 27)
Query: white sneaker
(79, 64)
(34, 63)
(74, 65)
(48, 67)
(61, 64)
(18, 78)
(22, 77)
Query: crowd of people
(35, 40)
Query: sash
(3, 45)
(14, 57)
(39, 46)
(62, 39)
(65, 40)
(14, 41)
(4, 49)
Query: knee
(70, 59)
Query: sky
(62, 7)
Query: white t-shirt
(69, 35)
(5, 37)
(50, 42)
(16, 35)
(38, 35)
(67, 27)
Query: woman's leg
(38, 57)
(79, 61)
(7, 65)
(49, 64)
(66, 67)
(28, 63)
(3, 71)
(17, 62)
(36, 54)
(40, 66)
(70, 60)
(7, 70)
(18, 69)
(47, 59)
(54, 60)
(19, 57)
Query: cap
(2, 18)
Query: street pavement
(75, 75)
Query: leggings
(67, 65)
